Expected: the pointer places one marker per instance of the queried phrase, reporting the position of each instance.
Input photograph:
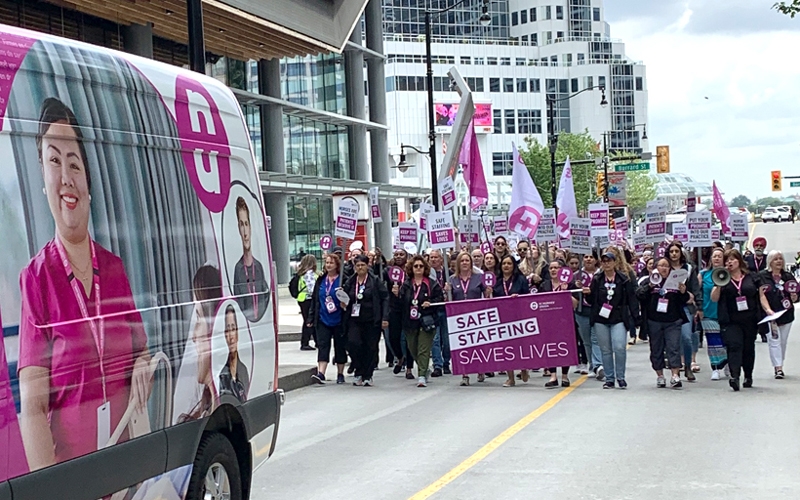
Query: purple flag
(721, 210)
(470, 158)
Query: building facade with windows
(532, 49)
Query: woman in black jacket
(511, 283)
(614, 309)
(554, 284)
(775, 298)
(367, 314)
(739, 313)
(419, 318)
(665, 313)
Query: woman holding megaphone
(665, 313)
(778, 293)
(739, 312)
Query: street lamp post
(553, 137)
(484, 20)
(606, 159)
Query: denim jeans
(589, 337)
(440, 351)
(613, 340)
(690, 340)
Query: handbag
(428, 323)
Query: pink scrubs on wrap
(12, 455)
(69, 351)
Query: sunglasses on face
(500, 244)
(419, 266)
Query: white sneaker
(584, 370)
(578, 369)
(715, 375)
(422, 382)
(600, 374)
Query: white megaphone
(655, 277)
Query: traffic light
(662, 159)
(601, 184)
(776, 180)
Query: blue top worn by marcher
(328, 289)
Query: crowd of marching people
(619, 297)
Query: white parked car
(776, 214)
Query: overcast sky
(739, 54)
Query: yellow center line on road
(495, 443)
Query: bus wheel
(215, 473)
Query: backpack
(294, 286)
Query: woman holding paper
(467, 285)
(511, 283)
(665, 312)
(739, 311)
(614, 306)
(556, 284)
(690, 340)
(717, 354)
(775, 297)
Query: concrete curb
(289, 337)
(296, 380)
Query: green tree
(578, 147)
(641, 189)
(740, 201)
(791, 8)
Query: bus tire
(215, 460)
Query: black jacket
(649, 296)
(315, 304)
(519, 286)
(625, 308)
(380, 297)
(776, 293)
(429, 291)
(753, 266)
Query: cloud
(749, 123)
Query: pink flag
(470, 158)
(721, 210)
(565, 202)
(526, 207)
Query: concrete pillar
(269, 83)
(379, 148)
(138, 39)
(356, 108)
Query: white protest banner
(547, 226)
(639, 242)
(347, 219)
(740, 231)
(601, 242)
(424, 210)
(680, 232)
(469, 231)
(716, 234)
(655, 221)
(617, 189)
(441, 232)
(580, 231)
(621, 224)
(598, 214)
(447, 193)
(408, 232)
(699, 224)
(500, 225)
(374, 205)
(396, 245)
(691, 202)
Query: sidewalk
(295, 367)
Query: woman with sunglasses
(419, 318)
(717, 354)
(467, 285)
(739, 312)
(511, 283)
(665, 314)
(555, 284)
(614, 308)
(690, 340)
(775, 298)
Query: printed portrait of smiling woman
(83, 349)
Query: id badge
(330, 306)
(103, 425)
(787, 304)
(356, 310)
(662, 305)
(741, 304)
(605, 311)
(414, 312)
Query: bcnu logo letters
(204, 143)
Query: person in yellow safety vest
(307, 275)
